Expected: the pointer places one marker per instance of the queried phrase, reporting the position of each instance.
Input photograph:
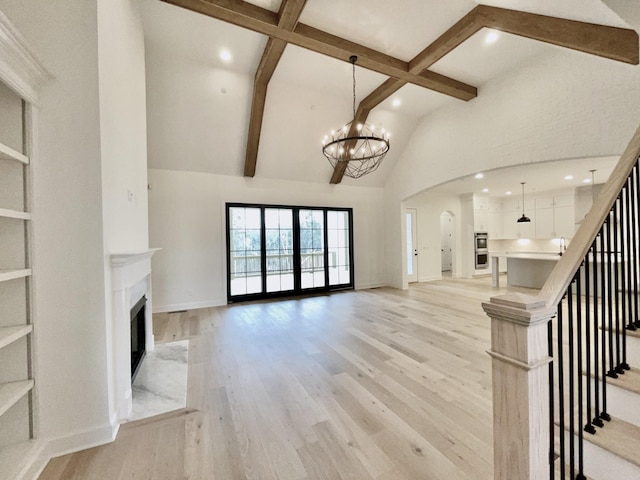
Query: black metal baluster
(631, 260)
(597, 421)
(612, 371)
(636, 238)
(603, 299)
(572, 401)
(561, 391)
(623, 257)
(615, 263)
(552, 389)
(588, 427)
(579, 375)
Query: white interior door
(412, 245)
(446, 241)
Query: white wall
(70, 335)
(568, 105)
(429, 208)
(187, 220)
(123, 141)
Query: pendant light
(523, 218)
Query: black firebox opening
(137, 335)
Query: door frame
(412, 213)
(296, 252)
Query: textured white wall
(568, 105)
(187, 220)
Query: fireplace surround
(130, 283)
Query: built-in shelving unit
(8, 153)
(17, 214)
(6, 275)
(11, 392)
(21, 78)
(16, 328)
(9, 335)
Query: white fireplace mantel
(130, 280)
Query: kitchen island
(524, 269)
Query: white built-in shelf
(11, 392)
(6, 275)
(11, 334)
(14, 214)
(7, 153)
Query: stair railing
(552, 354)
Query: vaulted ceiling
(415, 56)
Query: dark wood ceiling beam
(290, 11)
(614, 43)
(265, 22)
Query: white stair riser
(633, 351)
(600, 464)
(623, 404)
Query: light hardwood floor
(372, 384)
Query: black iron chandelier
(359, 148)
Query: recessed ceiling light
(507, 193)
(479, 176)
(569, 177)
(586, 180)
(485, 190)
(225, 55)
(491, 37)
(396, 102)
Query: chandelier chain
(353, 64)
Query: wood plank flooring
(372, 384)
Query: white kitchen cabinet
(544, 223)
(564, 221)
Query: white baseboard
(365, 286)
(64, 445)
(188, 306)
(430, 278)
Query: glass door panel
(279, 249)
(338, 247)
(245, 239)
(311, 249)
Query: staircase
(566, 363)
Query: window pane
(279, 238)
(245, 260)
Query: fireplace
(138, 335)
(132, 328)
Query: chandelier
(359, 148)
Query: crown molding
(19, 67)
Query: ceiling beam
(290, 11)
(264, 21)
(614, 43)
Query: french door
(283, 250)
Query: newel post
(520, 371)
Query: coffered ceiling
(286, 143)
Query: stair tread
(629, 381)
(620, 438)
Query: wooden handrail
(563, 273)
